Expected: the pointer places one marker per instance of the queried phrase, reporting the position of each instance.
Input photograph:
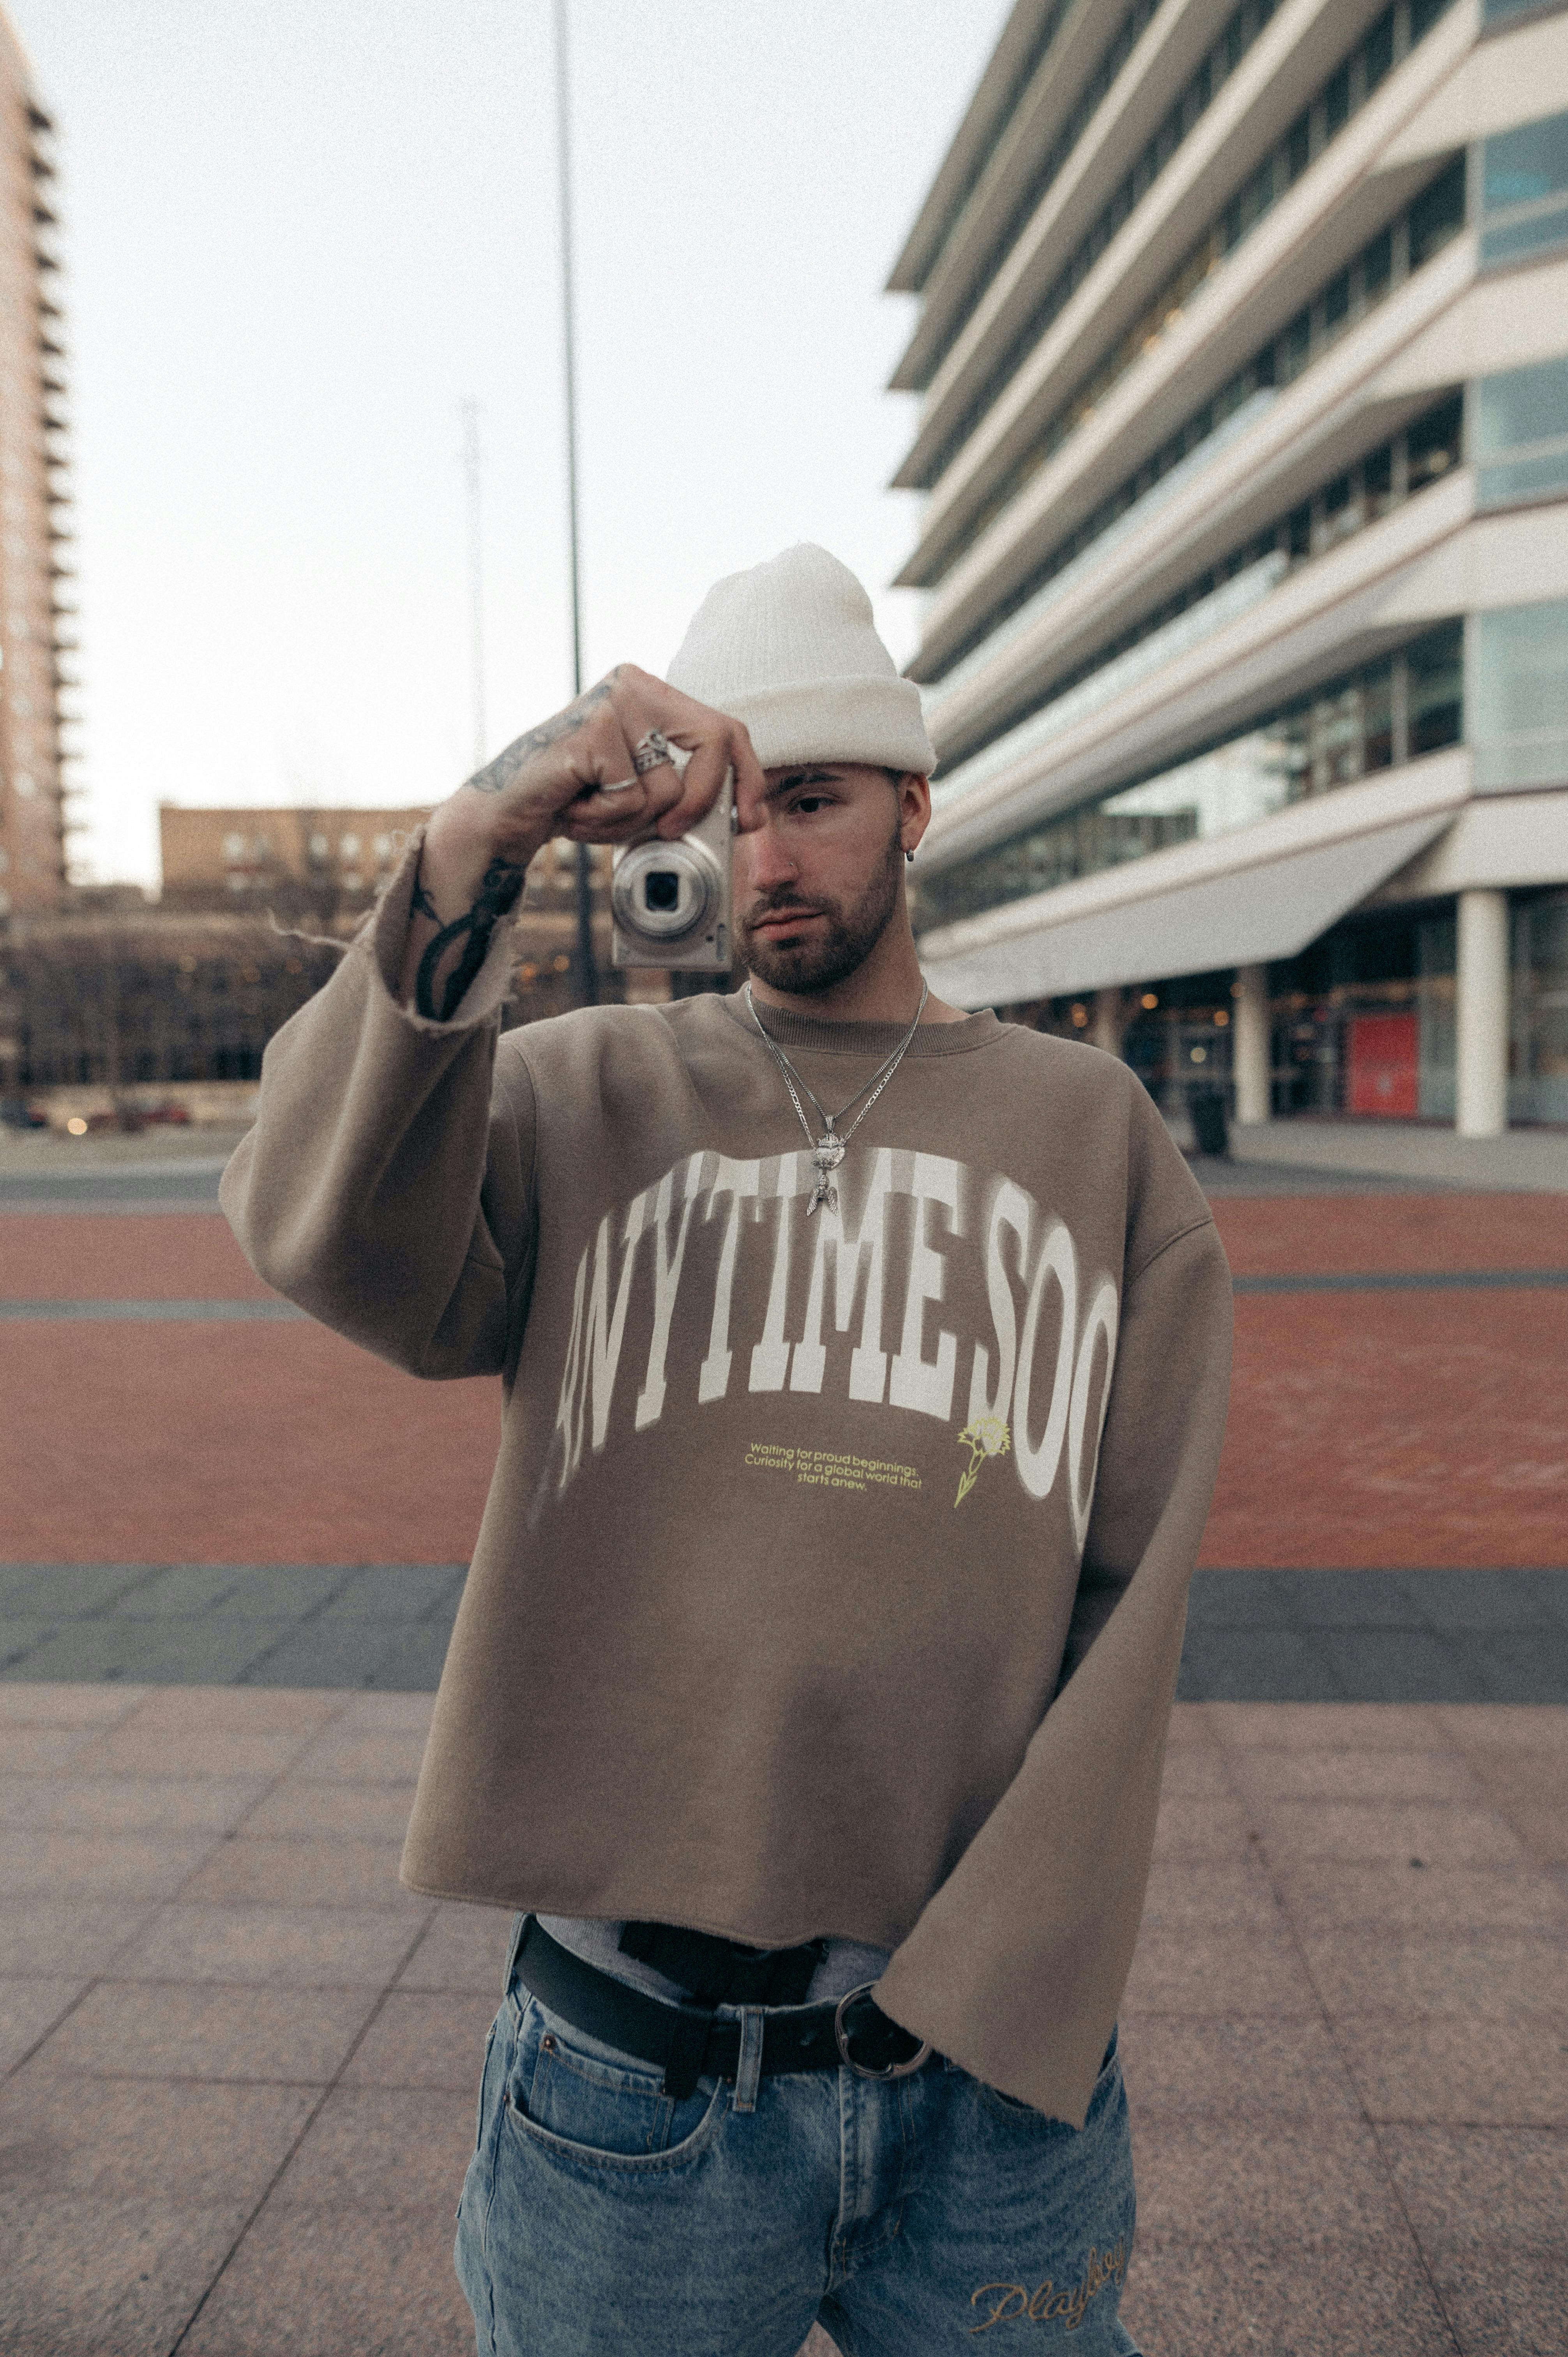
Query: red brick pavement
(1367, 1429)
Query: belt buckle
(893, 2070)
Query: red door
(1382, 1065)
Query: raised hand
(575, 775)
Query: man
(865, 1366)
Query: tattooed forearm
(497, 895)
(508, 766)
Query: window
(1390, 712)
(1522, 697)
(1520, 442)
(1438, 214)
(1524, 191)
(383, 846)
(233, 847)
(320, 848)
(349, 846)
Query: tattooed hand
(575, 774)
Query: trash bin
(1206, 1103)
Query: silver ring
(893, 2070)
(651, 752)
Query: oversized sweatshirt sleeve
(385, 1186)
(1017, 1965)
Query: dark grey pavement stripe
(132, 1187)
(1407, 1280)
(1252, 1636)
(197, 1312)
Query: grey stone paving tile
(1336, 1725)
(1256, 1665)
(1247, 2297)
(371, 2284)
(358, 1755)
(73, 1589)
(1262, 1777)
(333, 1812)
(202, 1749)
(420, 2040)
(19, 1639)
(65, 1707)
(1475, 2187)
(1395, 1665)
(413, 1664)
(1503, 2298)
(211, 1650)
(1524, 1666)
(1490, 1976)
(184, 1587)
(1441, 1834)
(157, 2142)
(402, 1591)
(1484, 1599)
(1215, 2179)
(1239, 1599)
(26, 1751)
(126, 1804)
(1440, 1901)
(65, 1937)
(464, 1949)
(1232, 1972)
(321, 1653)
(177, 2031)
(1455, 2072)
(277, 1947)
(1281, 2071)
(338, 1872)
(43, 1863)
(28, 2010)
(381, 2149)
(87, 2278)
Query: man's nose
(763, 859)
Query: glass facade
(1520, 717)
(1524, 191)
(1414, 236)
(1353, 81)
(1396, 470)
(1538, 1078)
(1520, 434)
(1410, 702)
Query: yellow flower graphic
(986, 1437)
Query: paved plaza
(240, 2061)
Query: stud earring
(908, 859)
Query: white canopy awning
(1268, 906)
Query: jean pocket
(584, 2101)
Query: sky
(299, 238)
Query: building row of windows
(1352, 82)
(1242, 29)
(1357, 496)
(1046, 32)
(1519, 434)
(1524, 192)
(1426, 225)
(1388, 712)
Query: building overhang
(1239, 899)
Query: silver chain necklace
(828, 1151)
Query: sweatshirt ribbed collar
(820, 1035)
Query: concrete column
(1481, 1015)
(1110, 1021)
(1252, 1050)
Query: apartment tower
(1242, 344)
(34, 615)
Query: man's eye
(813, 802)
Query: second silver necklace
(828, 1151)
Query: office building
(1242, 344)
(35, 612)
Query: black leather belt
(691, 2043)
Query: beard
(836, 947)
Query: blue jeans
(905, 2216)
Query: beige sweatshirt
(834, 1567)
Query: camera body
(671, 904)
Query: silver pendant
(826, 1156)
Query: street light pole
(587, 964)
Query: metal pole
(587, 964)
(471, 463)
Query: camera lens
(662, 888)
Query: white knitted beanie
(790, 647)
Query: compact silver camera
(672, 903)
